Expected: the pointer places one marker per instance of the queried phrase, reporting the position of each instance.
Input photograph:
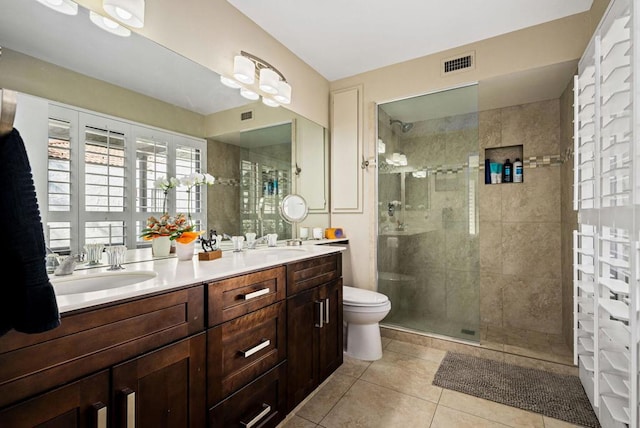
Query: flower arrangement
(179, 227)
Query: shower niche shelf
(501, 154)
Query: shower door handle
(319, 324)
(326, 310)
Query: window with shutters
(101, 179)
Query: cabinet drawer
(240, 350)
(310, 273)
(259, 404)
(90, 341)
(234, 297)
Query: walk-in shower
(428, 246)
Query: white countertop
(173, 273)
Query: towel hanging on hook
(8, 103)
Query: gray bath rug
(553, 395)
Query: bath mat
(553, 395)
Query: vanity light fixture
(272, 84)
(68, 7)
(109, 25)
(128, 12)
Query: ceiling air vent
(459, 63)
(247, 115)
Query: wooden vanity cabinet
(140, 343)
(246, 340)
(314, 324)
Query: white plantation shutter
(606, 257)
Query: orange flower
(187, 237)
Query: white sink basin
(99, 281)
(284, 251)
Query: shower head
(406, 127)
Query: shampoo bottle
(517, 171)
(507, 172)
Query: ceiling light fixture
(109, 25)
(129, 12)
(272, 85)
(67, 7)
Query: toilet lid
(359, 297)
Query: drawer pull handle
(319, 324)
(255, 294)
(326, 310)
(101, 414)
(265, 411)
(130, 407)
(250, 352)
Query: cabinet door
(79, 404)
(331, 346)
(164, 388)
(303, 315)
(346, 151)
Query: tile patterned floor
(396, 391)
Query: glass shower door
(428, 237)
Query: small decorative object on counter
(211, 246)
(334, 233)
(318, 233)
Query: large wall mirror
(258, 154)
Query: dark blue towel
(27, 300)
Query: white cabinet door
(346, 150)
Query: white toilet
(362, 311)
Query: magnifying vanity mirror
(293, 210)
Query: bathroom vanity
(238, 341)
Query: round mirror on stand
(293, 209)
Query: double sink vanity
(236, 341)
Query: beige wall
(212, 32)
(547, 44)
(42, 79)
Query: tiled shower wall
(520, 223)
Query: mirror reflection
(256, 161)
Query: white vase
(161, 246)
(185, 251)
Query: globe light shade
(109, 25)
(244, 70)
(227, 81)
(284, 93)
(68, 7)
(129, 12)
(249, 94)
(269, 102)
(269, 81)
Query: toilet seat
(352, 296)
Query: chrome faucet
(261, 240)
